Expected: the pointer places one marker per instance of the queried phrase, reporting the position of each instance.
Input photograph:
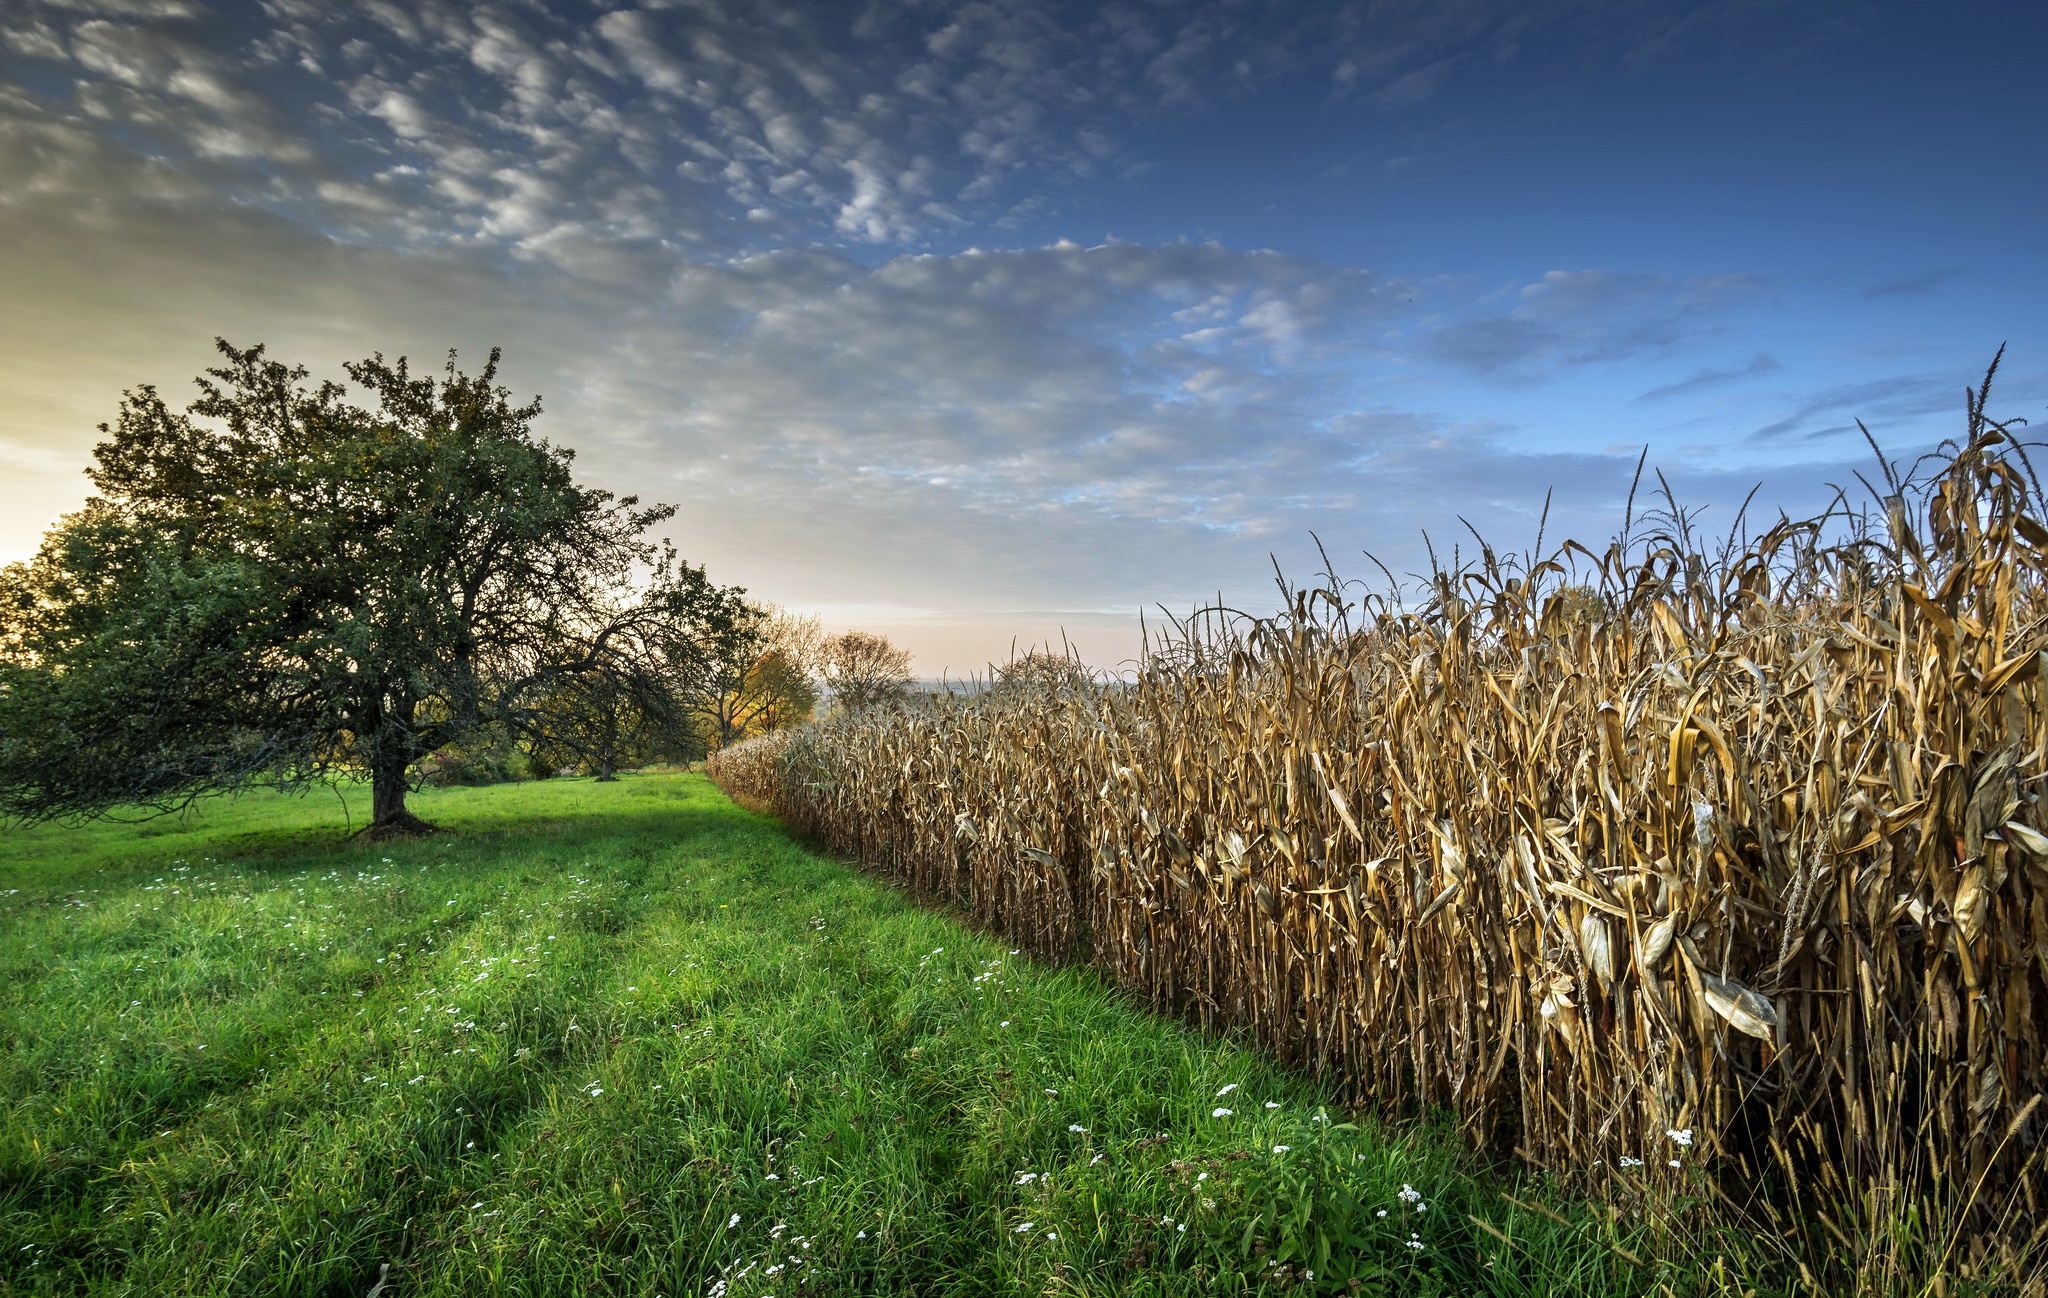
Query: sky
(985, 324)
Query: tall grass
(1736, 835)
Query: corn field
(1741, 834)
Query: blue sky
(973, 322)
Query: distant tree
(763, 675)
(780, 691)
(277, 585)
(1041, 670)
(864, 669)
(1581, 605)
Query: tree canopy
(278, 584)
(864, 669)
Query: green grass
(628, 1038)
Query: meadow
(627, 1038)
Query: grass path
(628, 1038)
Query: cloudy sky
(973, 320)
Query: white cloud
(889, 124)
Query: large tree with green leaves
(278, 584)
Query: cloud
(1706, 379)
(731, 244)
(1914, 285)
(1904, 397)
(1567, 319)
(708, 123)
(1059, 427)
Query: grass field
(628, 1038)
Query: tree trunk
(388, 816)
(610, 746)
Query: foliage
(762, 675)
(278, 584)
(623, 1038)
(864, 669)
(1042, 670)
(1759, 854)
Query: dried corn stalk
(1748, 841)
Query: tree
(1041, 671)
(761, 676)
(277, 585)
(780, 692)
(864, 669)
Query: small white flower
(1052, 1235)
(1409, 1194)
(1271, 1105)
(734, 1222)
(1050, 1091)
(860, 1234)
(1226, 1090)
(1098, 1158)
(1676, 1163)
(1219, 1113)
(1381, 1213)
(1203, 1177)
(1026, 1226)
(1005, 1023)
(1281, 1149)
(1682, 1136)
(1077, 1128)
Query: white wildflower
(1219, 1113)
